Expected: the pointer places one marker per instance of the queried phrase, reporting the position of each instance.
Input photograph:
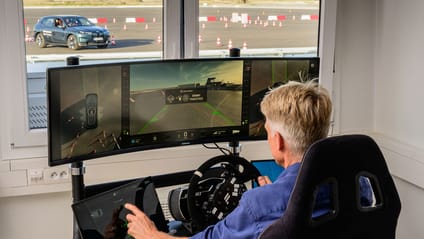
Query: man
(297, 114)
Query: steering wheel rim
(245, 170)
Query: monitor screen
(99, 110)
(266, 73)
(85, 108)
(105, 109)
(182, 102)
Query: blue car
(71, 31)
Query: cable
(223, 150)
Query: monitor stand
(78, 189)
(235, 147)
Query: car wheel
(102, 46)
(40, 41)
(73, 42)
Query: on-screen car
(72, 31)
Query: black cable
(223, 150)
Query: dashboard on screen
(106, 109)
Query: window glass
(96, 31)
(133, 29)
(259, 28)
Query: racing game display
(106, 109)
(266, 74)
(84, 111)
(183, 101)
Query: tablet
(267, 167)
(104, 216)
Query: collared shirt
(257, 209)
(261, 206)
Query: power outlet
(56, 175)
(52, 175)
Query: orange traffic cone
(112, 42)
(218, 41)
(230, 44)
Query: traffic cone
(159, 40)
(114, 20)
(146, 27)
(244, 45)
(125, 27)
(112, 42)
(200, 38)
(230, 44)
(218, 41)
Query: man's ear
(280, 142)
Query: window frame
(18, 141)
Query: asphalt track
(140, 29)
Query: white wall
(399, 113)
(399, 55)
(36, 216)
(379, 50)
(354, 65)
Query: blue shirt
(261, 206)
(257, 209)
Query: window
(96, 32)
(148, 30)
(259, 28)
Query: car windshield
(77, 21)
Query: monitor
(112, 108)
(182, 102)
(266, 73)
(105, 109)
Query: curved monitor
(106, 109)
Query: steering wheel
(211, 198)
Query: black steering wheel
(211, 198)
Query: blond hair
(300, 112)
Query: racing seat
(340, 162)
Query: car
(91, 111)
(72, 31)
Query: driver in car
(297, 114)
(58, 22)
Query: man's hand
(140, 226)
(264, 180)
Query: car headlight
(84, 33)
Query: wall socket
(48, 175)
